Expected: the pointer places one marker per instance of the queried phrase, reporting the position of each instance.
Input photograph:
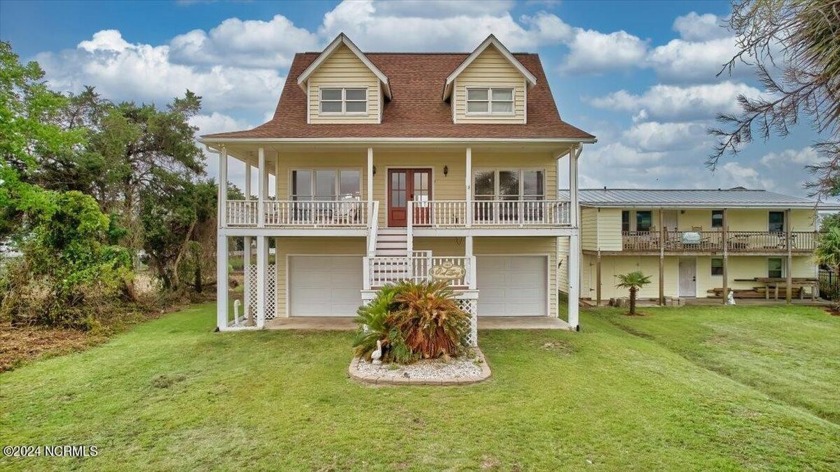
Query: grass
(691, 388)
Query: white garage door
(324, 285)
(511, 285)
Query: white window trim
(337, 187)
(489, 111)
(343, 111)
(520, 170)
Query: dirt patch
(832, 311)
(19, 345)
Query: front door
(688, 277)
(405, 185)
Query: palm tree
(634, 281)
(828, 249)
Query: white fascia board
(529, 77)
(406, 140)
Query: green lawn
(690, 389)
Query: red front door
(405, 185)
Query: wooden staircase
(392, 242)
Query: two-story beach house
(391, 166)
(699, 243)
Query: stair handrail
(373, 228)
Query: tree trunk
(176, 280)
(632, 300)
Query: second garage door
(324, 285)
(511, 285)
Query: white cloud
(595, 52)
(687, 61)
(125, 71)
(695, 27)
(216, 122)
(800, 157)
(617, 154)
(733, 174)
(442, 8)
(657, 137)
(376, 26)
(251, 43)
(679, 103)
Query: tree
(828, 248)
(634, 281)
(794, 46)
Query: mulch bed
(24, 344)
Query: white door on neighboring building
(669, 219)
(324, 285)
(512, 285)
(688, 277)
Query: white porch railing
(420, 267)
(288, 213)
(520, 213)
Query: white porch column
(247, 181)
(574, 280)
(248, 282)
(468, 186)
(262, 266)
(223, 165)
(574, 240)
(221, 280)
(261, 190)
(370, 175)
(468, 253)
(574, 211)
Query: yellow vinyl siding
(747, 267)
(744, 219)
(451, 186)
(609, 229)
(311, 246)
(490, 69)
(347, 160)
(344, 69)
(589, 228)
(563, 261)
(612, 266)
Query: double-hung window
(312, 187)
(341, 101)
(490, 101)
(776, 222)
(775, 268)
(506, 195)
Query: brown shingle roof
(417, 110)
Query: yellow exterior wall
(451, 186)
(490, 69)
(739, 267)
(289, 162)
(609, 229)
(589, 228)
(344, 69)
(313, 246)
(563, 262)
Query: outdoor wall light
(374, 170)
(445, 171)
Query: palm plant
(828, 248)
(634, 281)
(371, 319)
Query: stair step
(392, 245)
(391, 253)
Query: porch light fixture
(445, 171)
(374, 170)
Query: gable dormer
(343, 86)
(490, 86)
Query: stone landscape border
(356, 374)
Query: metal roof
(687, 198)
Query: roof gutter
(716, 205)
(407, 140)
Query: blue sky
(639, 75)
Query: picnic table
(797, 282)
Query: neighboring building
(698, 243)
(398, 165)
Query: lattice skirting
(270, 291)
(471, 306)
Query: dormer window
(344, 101)
(490, 101)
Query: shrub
(414, 321)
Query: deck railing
(517, 213)
(433, 213)
(421, 266)
(713, 241)
(289, 213)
